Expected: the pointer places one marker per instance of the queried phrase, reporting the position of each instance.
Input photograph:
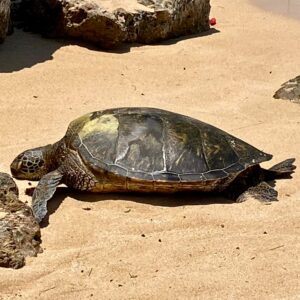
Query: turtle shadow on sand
(164, 200)
(154, 199)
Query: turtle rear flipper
(282, 170)
(44, 192)
(262, 192)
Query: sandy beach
(161, 247)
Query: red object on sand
(213, 21)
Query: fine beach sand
(161, 247)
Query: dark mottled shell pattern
(155, 145)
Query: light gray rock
(109, 23)
(289, 90)
(4, 18)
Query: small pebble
(86, 208)
(29, 191)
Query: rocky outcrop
(289, 90)
(4, 18)
(19, 231)
(109, 23)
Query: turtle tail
(282, 170)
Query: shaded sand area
(161, 247)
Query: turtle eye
(12, 189)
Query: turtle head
(31, 164)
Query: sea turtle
(19, 231)
(147, 150)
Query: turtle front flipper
(44, 192)
(262, 192)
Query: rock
(109, 23)
(4, 18)
(289, 90)
(19, 231)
